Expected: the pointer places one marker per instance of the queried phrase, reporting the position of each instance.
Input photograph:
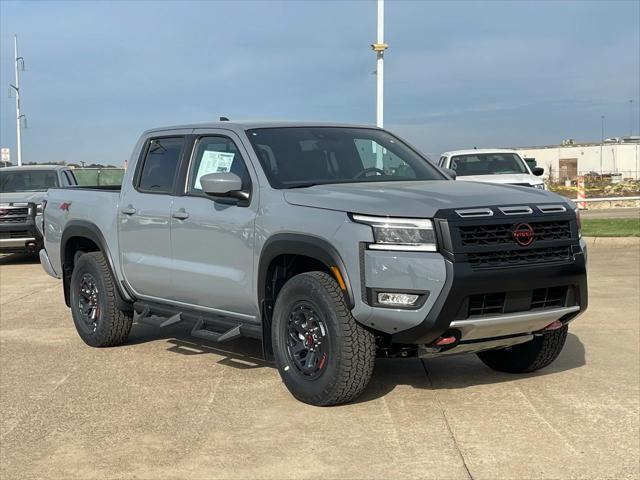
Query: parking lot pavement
(166, 406)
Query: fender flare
(304, 245)
(90, 231)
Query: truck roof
(248, 125)
(33, 167)
(478, 150)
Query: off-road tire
(527, 357)
(112, 325)
(351, 347)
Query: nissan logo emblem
(523, 234)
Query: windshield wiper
(305, 185)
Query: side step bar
(200, 331)
(228, 329)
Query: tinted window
(299, 156)
(487, 164)
(27, 180)
(160, 164)
(216, 155)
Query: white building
(570, 160)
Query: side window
(160, 164)
(443, 161)
(216, 155)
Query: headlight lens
(400, 233)
(539, 186)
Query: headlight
(539, 186)
(400, 233)
(39, 209)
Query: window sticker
(213, 162)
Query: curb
(613, 241)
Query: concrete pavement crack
(446, 422)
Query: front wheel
(527, 357)
(323, 355)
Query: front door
(144, 217)
(212, 242)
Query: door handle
(128, 210)
(180, 214)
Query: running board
(200, 331)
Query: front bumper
(18, 231)
(448, 315)
(19, 238)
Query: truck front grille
(502, 234)
(522, 257)
(13, 214)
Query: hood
(415, 199)
(22, 197)
(502, 178)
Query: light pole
(601, 140)
(379, 47)
(18, 64)
(631, 118)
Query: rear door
(212, 241)
(144, 217)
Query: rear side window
(160, 165)
(68, 176)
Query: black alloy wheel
(307, 342)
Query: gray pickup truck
(333, 244)
(22, 190)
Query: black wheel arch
(80, 235)
(319, 254)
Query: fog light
(399, 299)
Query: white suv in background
(493, 166)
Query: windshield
(303, 156)
(27, 180)
(487, 164)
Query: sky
(457, 74)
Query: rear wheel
(94, 306)
(323, 355)
(527, 357)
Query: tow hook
(553, 325)
(443, 341)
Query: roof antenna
(224, 119)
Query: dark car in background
(22, 190)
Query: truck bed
(76, 206)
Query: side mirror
(224, 184)
(537, 171)
(452, 173)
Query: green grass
(611, 227)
